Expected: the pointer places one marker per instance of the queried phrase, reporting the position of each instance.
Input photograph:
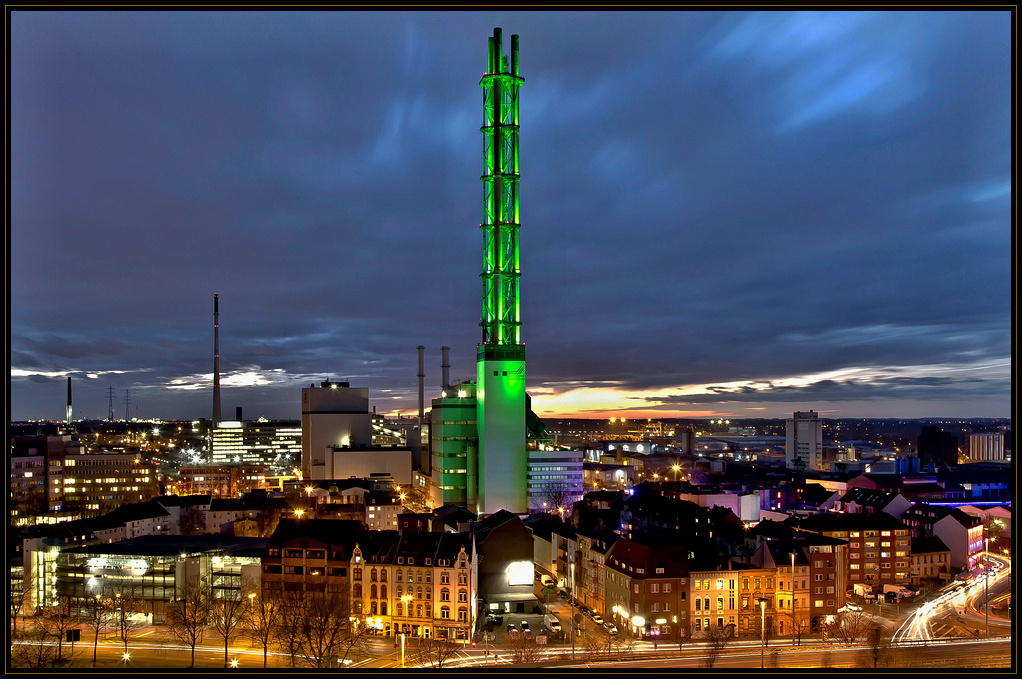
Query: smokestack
(422, 377)
(69, 400)
(216, 360)
(237, 413)
(445, 367)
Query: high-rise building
(937, 446)
(500, 358)
(333, 414)
(804, 442)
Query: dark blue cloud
(707, 198)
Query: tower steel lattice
(501, 321)
(500, 464)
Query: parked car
(511, 627)
(494, 619)
(853, 607)
(611, 628)
(525, 626)
(597, 618)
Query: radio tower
(500, 359)
(127, 405)
(110, 397)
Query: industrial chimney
(216, 360)
(68, 401)
(422, 377)
(445, 367)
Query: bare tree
(717, 638)
(594, 648)
(801, 622)
(261, 619)
(851, 626)
(61, 619)
(879, 651)
(36, 649)
(226, 613)
(98, 620)
(126, 607)
(435, 651)
(288, 625)
(188, 615)
(18, 598)
(684, 634)
(522, 647)
(332, 632)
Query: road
(960, 604)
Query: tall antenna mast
(127, 405)
(216, 360)
(110, 397)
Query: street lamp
(676, 468)
(762, 632)
(986, 581)
(572, 610)
(794, 600)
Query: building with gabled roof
(646, 587)
(961, 532)
(869, 501)
(879, 545)
(131, 521)
(931, 559)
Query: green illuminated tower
(501, 401)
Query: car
(511, 627)
(525, 626)
(612, 630)
(495, 619)
(563, 594)
(597, 618)
(853, 607)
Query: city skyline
(724, 214)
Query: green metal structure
(501, 322)
(500, 359)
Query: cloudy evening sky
(738, 214)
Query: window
(654, 608)
(667, 587)
(445, 595)
(654, 588)
(462, 596)
(445, 578)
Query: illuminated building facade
(454, 443)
